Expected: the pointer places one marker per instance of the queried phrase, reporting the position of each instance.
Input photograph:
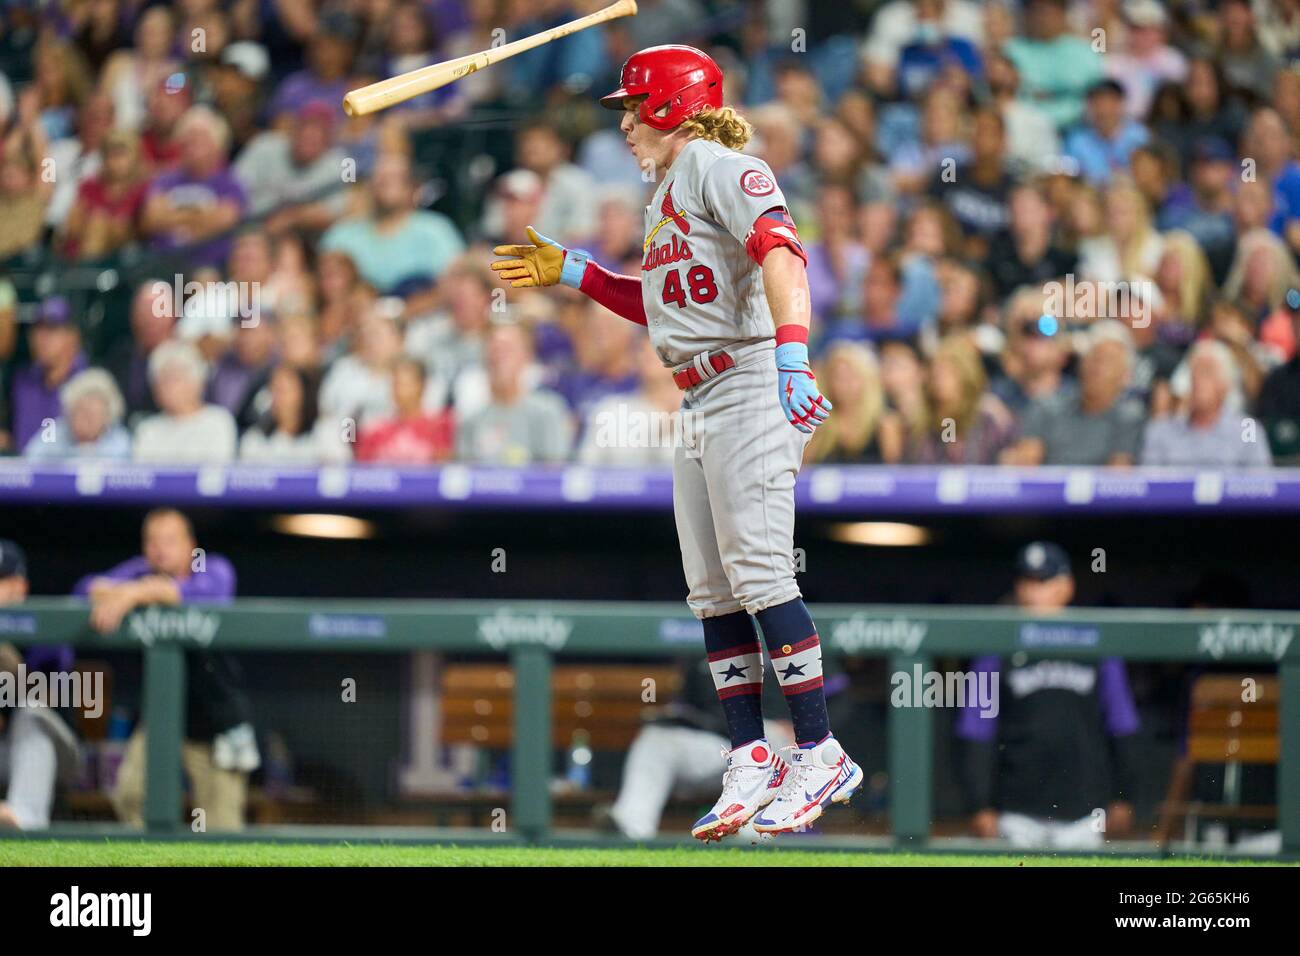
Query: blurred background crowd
(203, 260)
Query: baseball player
(724, 296)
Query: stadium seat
(1223, 731)
(602, 701)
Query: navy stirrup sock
(736, 661)
(796, 654)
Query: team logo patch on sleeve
(755, 182)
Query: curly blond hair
(723, 125)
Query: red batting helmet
(684, 79)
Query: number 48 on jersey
(699, 283)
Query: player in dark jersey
(1054, 767)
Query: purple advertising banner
(823, 489)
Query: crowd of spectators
(1044, 232)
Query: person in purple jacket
(194, 207)
(55, 344)
(331, 53)
(219, 749)
(1054, 765)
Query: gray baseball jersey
(734, 473)
(700, 288)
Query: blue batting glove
(804, 405)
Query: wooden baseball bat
(385, 93)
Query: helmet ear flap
(655, 113)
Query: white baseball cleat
(817, 777)
(753, 777)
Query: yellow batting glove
(543, 263)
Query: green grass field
(126, 853)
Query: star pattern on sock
(734, 671)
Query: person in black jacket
(1054, 766)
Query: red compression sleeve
(618, 293)
(773, 228)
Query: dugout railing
(534, 634)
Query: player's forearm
(786, 283)
(619, 293)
